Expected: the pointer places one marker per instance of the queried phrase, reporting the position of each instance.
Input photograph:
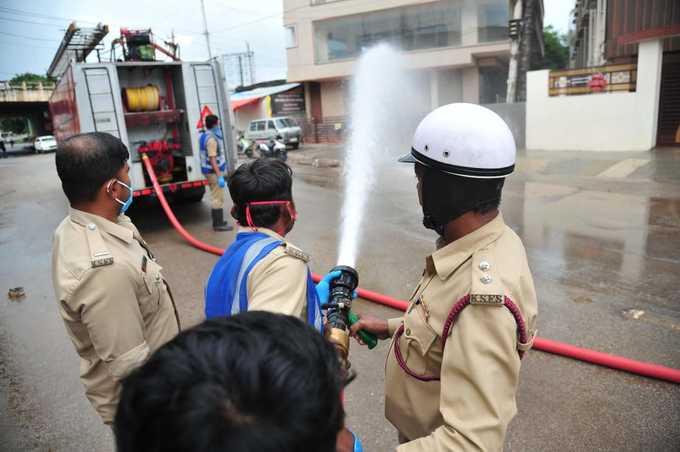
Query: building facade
(610, 32)
(267, 100)
(459, 50)
(588, 40)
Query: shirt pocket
(418, 339)
(152, 289)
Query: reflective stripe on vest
(226, 291)
(206, 167)
(241, 282)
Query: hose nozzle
(342, 287)
(339, 305)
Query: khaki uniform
(463, 395)
(113, 299)
(216, 192)
(278, 282)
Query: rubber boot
(218, 221)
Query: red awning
(236, 104)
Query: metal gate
(668, 133)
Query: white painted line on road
(623, 168)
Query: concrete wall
(514, 116)
(471, 85)
(449, 86)
(25, 92)
(333, 99)
(597, 122)
(247, 113)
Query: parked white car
(263, 130)
(45, 143)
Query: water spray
(378, 127)
(377, 94)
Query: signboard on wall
(291, 102)
(622, 77)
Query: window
(493, 82)
(290, 37)
(253, 126)
(270, 125)
(493, 22)
(431, 25)
(261, 125)
(423, 26)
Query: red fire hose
(546, 345)
(171, 216)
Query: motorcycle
(274, 149)
(245, 146)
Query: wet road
(602, 233)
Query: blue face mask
(125, 205)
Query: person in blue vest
(261, 270)
(213, 166)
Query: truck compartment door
(100, 94)
(206, 88)
(211, 93)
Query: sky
(31, 30)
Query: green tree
(29, 77)
(556, 49)
(14, 125)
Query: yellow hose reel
(142, 98)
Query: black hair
(253, 382)
(211, 121)
(86, 161)
(260, 180)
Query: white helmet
(464, 140)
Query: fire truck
(154, 107)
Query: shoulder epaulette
(100, 255)
(296, 252)
(486, 287)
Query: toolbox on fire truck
(154, 107)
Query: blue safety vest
(226, 292)
(206, 167)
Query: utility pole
(525, 49)
(205, 30)
(251, 62)
(516, 37)
(240, 68)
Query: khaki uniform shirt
(470, 406)
(113, 299)
(211, 146)
(216, 192)
(278, 282)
